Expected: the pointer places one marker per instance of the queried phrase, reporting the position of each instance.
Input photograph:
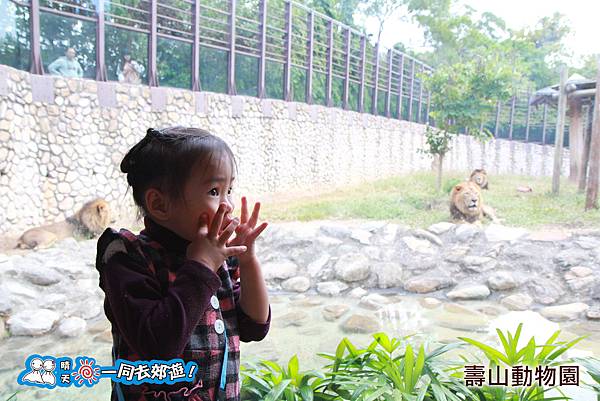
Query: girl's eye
(230, 191)
(214, 192)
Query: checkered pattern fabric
(205, 345)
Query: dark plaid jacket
(159, 305)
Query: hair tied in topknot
(129, 161)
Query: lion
(91, 220)
(466, 204)
(479, 177)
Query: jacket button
(219, 326)
(214, 301)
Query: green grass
(412, 200)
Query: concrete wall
(61, 142)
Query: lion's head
(466, 197)
(479, 177)
(94, 216)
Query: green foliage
(548, 354)
(592, 366)
(464, 94)
(392, 369)
(451, 183)
(269, 381)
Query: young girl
(173, 291)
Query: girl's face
(207, 187)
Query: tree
(463, 94)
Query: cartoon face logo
(49, 365)
(36, 364)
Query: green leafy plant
(389, 369)
(547, 355)
(269, 381)
(592, 366)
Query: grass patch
(411, 200)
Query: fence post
(329, 85)
(545, 117)
(497, 125)
(388, 92)
(310, 25)
(420, 108)
(376, 82)
(361, 86)
(560, 131)
(400, 87)
(512, 116)
(528, 118)
(152, 72)
(287, 69)
(231, 65)
(196, 86)
(412, 89)
(263, 49)
(348, 38)
(37, 67)
(100, 59)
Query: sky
(582, 17)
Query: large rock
(333, 312)
(279, 269)
(358, 292)
(331, 287)
(41, 275)
(588, 242)
(336, 231)
(352, 267)
(71, 327)
(479, 263)
(426, 284)
(565, 312)
(389, 275)
(362, 236)
(465, 232)
(373, 301)
(418, 245)
(317, 265)
(440, 228)
(360, 324)
(571, 257)
(502, 280)
(497, 232)
(434, 239)
(296, 284)
(15, 295)
(32, 322)
(472, 291)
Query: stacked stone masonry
(61, 142)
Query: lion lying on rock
(466, 204)
(91, 220)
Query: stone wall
(61, 141)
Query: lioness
(466, 204)
(479, 177)
(89, 221)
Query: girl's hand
(247, 232)
(211, 248)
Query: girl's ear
(157, 204)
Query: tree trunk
(591, 200)
(438, 182)
(585, 151)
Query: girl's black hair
(164, 158)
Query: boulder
(32, 322)
(296, 284)
(352, 267)
(360, 324)
(565, 312)
(470, 291)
